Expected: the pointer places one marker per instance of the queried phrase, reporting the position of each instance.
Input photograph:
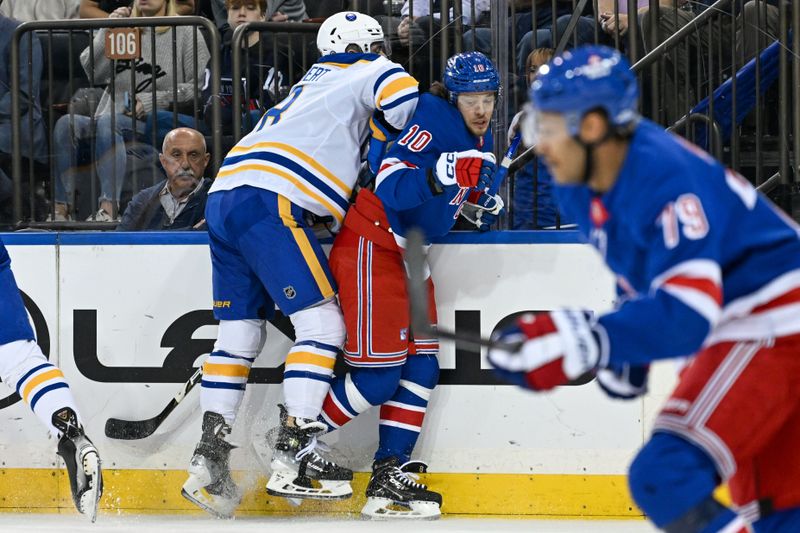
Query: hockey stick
(418, 299)
(502, 170)
(139, 429)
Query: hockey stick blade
(139, 429)
(418, 299)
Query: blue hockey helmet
(470, 72)
(584, 79)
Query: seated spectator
(259, 80)
(100, 9)
(480, 38)
(179, 201)
(32, 140)
(286, 11)
(419, 28)
(28, 10)
(533, 202)
(185, 8)
(750, 38)
(123, 116)
(548, 35)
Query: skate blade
(386, 509)
(89, 501)
(216, 506)
(282, 483)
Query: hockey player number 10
(415, 139)
(688, 212)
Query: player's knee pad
(244, 338)
(670, 477)
(322, 323)
(17, 358)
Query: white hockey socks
(226, 370)
(40, 383)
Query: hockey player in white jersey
(300, 161)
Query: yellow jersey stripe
(308, 358)
(345, 65)
(233, 371)
(38, 380)
(332, 209)
(300, 237)
(395, 87)
(377, 134)
(301, 155)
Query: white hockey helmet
(341, 30)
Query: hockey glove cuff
(557, 347)
(626, 383)
(482, 209)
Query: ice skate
(393, 493)
(298, 470)
(82, 462)
(210, 485)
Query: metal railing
(693, 99)
(98, 24)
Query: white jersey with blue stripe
(308, 147)
(700, 256)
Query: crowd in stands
(108, 147)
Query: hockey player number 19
(686, 211)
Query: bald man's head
(184, 158)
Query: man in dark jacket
(177, 203)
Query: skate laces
(407, 478)
(311, 447)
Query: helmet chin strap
(588, 148)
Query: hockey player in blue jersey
(441, 161)
(43, 387)
(300, 161)
(707, 268)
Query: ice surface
(13, 523)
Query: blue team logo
(350, 16)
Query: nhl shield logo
(404, 334)
(289, 292)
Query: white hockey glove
(513, 128)
(482, 209)
(470, 168)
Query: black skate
(82, 462)
(394, 493)
(210, 485)
(298, 470)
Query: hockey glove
(557, 347)
(626, 383)
(471, 168)
(482, 209)
(513, 128)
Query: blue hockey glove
(557, 347)
(482, 209)
(375, 153)
(467, 169)
(625, 383)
